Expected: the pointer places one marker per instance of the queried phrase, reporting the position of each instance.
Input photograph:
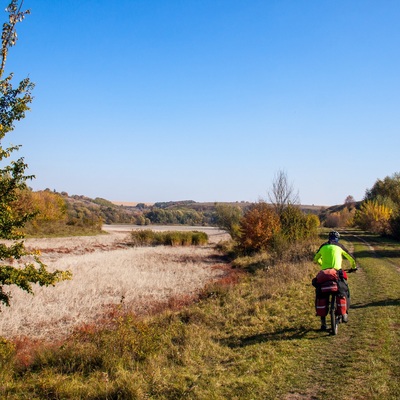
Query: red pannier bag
(321, 306)
(341, 305)
(329, 287)
(326, 275)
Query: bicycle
(336, 302)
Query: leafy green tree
(386, 191)
(14, 102)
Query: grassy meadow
(108, 273)
(252, 335)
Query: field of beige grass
(107, 272)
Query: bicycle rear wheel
(334, 318)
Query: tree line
(378, 212)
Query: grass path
(363, 361)
(287, 357)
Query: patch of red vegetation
(26, 349)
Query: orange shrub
(258, 227)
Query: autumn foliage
(258, 227)
(374, 217)
(44, 205)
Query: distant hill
(315, 209)
(129, 203)
(170, 212)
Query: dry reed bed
(106, 272)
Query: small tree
(282, 194)
(350, 202)
(14, 102)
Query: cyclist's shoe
(345, 318)
(323, 324)
(323, 327)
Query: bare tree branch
(282, 193)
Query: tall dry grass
(106, 273)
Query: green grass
(253, 337)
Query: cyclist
(330, 255)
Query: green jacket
(330, 255)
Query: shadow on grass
(364, 254)
(381, 303)
(279, 335)
(377, 253)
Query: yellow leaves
(50, 206)
(373, 216)
(47, 205)
(375, 211)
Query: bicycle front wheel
(334, 319)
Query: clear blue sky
(158, 100)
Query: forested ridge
(59, 208)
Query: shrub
(174, 238)
(142, 237)
(296, 225)
(312, 224)
(258, 227)
(147, 237)
(199, 238)
(293, 223)
(228, 218)
(373, 217)
(262, 230)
